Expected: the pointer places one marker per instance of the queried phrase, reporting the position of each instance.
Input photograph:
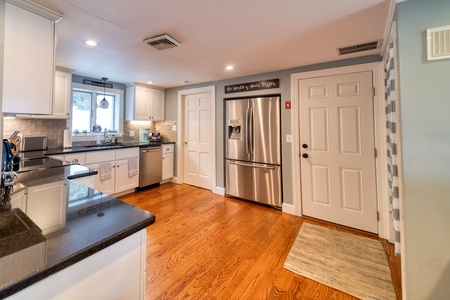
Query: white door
(338, 151)
(197, 140)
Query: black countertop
(76, 149)
(92, 224)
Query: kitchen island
(88, 245)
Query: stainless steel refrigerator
(253, 149)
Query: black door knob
(305, 155)
(305, 146)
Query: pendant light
(104, 103)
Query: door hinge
(373, 91)
(376, 153)
(378, 216)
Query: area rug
(355, 265)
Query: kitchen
(55, 127)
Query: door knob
(305, 155)
(184, 142)
(305, 146)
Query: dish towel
(132, 167)
(105, 171)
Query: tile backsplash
(51, 128)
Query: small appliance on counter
(143, 135)
(154, 136)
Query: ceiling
(254, 36)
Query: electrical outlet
(174, 127)
(288, 138)
(131, 133)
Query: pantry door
(338, 176)
(197, 140)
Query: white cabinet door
(157, 104)
(63, 92)
(28, 62)
(19, 200)
(87, 181)
(144, 103)
(123, 179)
(167, 166)
(106, 186)
(46, 206)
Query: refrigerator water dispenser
(234, 130)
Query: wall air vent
(162, 42)
(359, 48)
(438, 43)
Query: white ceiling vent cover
(162, 42)
(438, 43)
(359, 48)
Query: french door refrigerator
(252, 154)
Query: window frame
(118, 105)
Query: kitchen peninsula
(57, 247)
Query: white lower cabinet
(168, 161)
(116, 272)
(46, 205)
(121, 177)
(19, 200)
(104, 185)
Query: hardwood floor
(206, 246)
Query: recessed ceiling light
(229, 68)
(149, 82)
(91, 43)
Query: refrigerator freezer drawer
(257, 182)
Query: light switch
(288, 138)
(131, 133)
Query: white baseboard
(219, 191)
(288, 208)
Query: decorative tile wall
(51, 128)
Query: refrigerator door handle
(247, 131)
(251, 131)
(251, 165)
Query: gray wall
(284, 90)
(425, 113)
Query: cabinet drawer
(76, 157)
(100, 156)
(127, 153)
(167, 148)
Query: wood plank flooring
(206, 246)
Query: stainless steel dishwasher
(150, 166)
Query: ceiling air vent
(438, 43)
(359, 48)
(162, 42)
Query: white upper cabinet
(144, 103)
(63, 92)
(29, 58)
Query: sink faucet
(7, 183)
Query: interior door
(197, 140)
(337, 148)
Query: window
(86, 110)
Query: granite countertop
(76, 149)
(92, 223)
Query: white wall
(425, 112)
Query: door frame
(180, 134)
(379, 127)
